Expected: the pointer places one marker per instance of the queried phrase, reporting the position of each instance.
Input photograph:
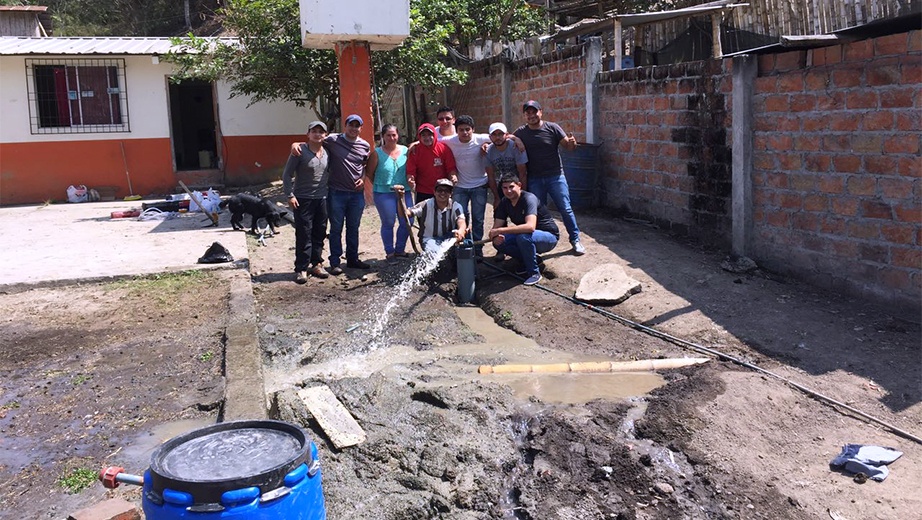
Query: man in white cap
(308, 200)
(504, 158)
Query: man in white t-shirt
(472, 187)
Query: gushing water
(419, 270)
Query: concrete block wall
(666, 145)
(837, 194)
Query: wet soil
(715, 441)
(98, 375)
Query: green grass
(206, 356)
(78, 480)
(292, 316)
(80, 379)
(12, 405)
(163, 288)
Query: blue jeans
(556, 187)
(386, 203)
(345, 206)
(478, 200)
(525, 246)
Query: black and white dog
(257, 208)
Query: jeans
(478, 199)
(525, 246)
(556, 187)
(345, 206)
(310, 230)
(386, 203)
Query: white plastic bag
(76, 193)
(210, 200)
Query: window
(77, 96)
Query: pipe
(643, 365)
(719, 355)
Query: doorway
(192, 117)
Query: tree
(267, 61)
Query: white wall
(383, 23)
(148, 113)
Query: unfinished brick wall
(481, 96)
(666, 145)
(556, 80)
(836, 170)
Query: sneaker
(336, 270)
(402, 254)
(357, 264)
(301, 277)
(533, 279)
(390, 257)
(318, 272)
(578, 249)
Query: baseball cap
(498, 126)
(426, 127)
(531, 103)
(444, 183)
(354, 117)
(312, 124)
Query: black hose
(719, 355)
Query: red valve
(108, 476)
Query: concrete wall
(38, 167)
(833, 135)
(836, 173)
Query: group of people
(451, 170)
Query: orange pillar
(355, 84)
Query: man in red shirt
(430, 161)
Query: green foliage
(164, 289)
(77, 480)
(120, 17)
(80, 379)
(206, 356)
(270, 64)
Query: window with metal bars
(70, 96)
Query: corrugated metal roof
(36, 8)
(18, 46)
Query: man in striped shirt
(440, 218)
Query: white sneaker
(578, 248)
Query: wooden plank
(337, 423)
(618, 45)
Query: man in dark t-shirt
(545, 168)
(533, 230)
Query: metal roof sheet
(18, 46)
(33, 8)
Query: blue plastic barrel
(580, 168)
(243, 470)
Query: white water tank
(382, 23)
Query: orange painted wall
(254, 159)
(35, 172)
(355, 85)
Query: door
(192, 117)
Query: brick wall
(556, 80)
(481, 96)
(836, 170)
(666, 145)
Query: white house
(98, 111)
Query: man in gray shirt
(504, 158)
(307, 199)
(349, 155)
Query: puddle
(579, 388)
(138, 450)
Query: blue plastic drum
(245, 470)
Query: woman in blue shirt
(388, 167)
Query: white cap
(498, 126)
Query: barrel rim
(210, 491)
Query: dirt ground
(99, 375)
(716, 441)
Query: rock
(112, 509)
(607, 283)
(739, 264)
(663, 488)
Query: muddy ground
(98, 375)
(715, 441)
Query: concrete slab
(71, 242)
(607, 283)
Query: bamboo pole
(643, 365)
(402, 209)
(212, 216)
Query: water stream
(421, 267)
